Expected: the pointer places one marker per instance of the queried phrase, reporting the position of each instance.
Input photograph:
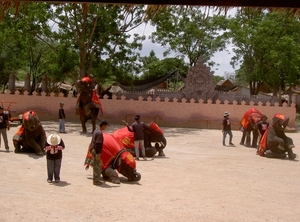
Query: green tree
(99, 33)
(266, 48)
(154, 67)
(189, 33)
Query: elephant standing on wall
(115, 157)
(153, 134)
(249, 125)
(88, 103)
(31, 136)
(274, 143)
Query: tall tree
(100, 34)
(189, 33)
(266, 48)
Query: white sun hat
(53, 139)
(226, 113)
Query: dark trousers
(53, 169)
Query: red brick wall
(164, 113)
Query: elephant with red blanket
(88, 103)
(31, 136)
(115, 157)
(249, 125)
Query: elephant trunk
(137, 176)
(161, 144)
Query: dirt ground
(198, 180)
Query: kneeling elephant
(274, 143)
(115, 157)
(31, 136)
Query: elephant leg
(83, 123)
(289, 144)
(248, 139)
(111, 175)
(291, 154)
(39, 152)
(243, 138)
(17, 146)
(254, 139)
(94, 123)
(161, 153)
(271, 154)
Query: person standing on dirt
(95, 149)
(62, 117)
(138, 130)
(53, 147)
(226, 129)
(262, 126)
(4, 125)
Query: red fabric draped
(245, 120)
(111, 148)
(263, 144)
(125, 137)
(156, 128)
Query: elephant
(88, 103)
(249, 125)
(31, 136)
(153, 134)
(115, 157)
(274, 143)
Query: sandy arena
(198, 180)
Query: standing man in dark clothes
(138, 130)
(226, 129)
(61, 117)
(4, 125)
(95, 149)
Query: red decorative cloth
(155, 127)
(111, 148)
(128, 158)
(263, 144)
(125, 137)
(245, 120)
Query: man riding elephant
(249, 125)
(152, 134)
(88, 103)
(274, 143)
(115, 157)
(31, 136)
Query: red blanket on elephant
(125, 137)
(251, 112)
(95, 100)
(111, 148)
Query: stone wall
(164, 112)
